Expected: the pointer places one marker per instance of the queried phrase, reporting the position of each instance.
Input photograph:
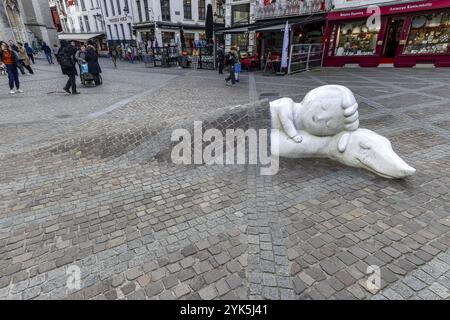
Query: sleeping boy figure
(324, 111)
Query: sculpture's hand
(297, 138)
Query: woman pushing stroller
(88, 62)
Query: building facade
(159, 22)
(27, 21)
(398, 33)
(118, 16)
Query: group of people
(131, 54)
(15, 57)
(19, 57)
(232, 59)
(69, 57)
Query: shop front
(408, 34)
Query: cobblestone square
(86, 182)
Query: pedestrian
(230, 60)
(25, 60)
(48, 53)
(67, 57)
(114, 54)
(30, 52)
(140, 52)
(91, 58)
(80, 57)
(237, 67)
(130, 54)
(220, 57)
(55, 50)
(10, 59)
(120, 52)
(13, 46)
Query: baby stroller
(89, 79)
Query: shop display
(356, 39)
(429, 35)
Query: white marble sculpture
(326, 125)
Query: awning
(237, 29)
(279, 24)
(79, 36)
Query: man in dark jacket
(30, 52)
(48, 53)
(68, 62)
(220, 58)
(231, 59)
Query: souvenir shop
(408, 34)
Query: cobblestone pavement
(85, 181)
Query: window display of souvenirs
(356, 39)
(429, 34)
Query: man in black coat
(68, 62)
(220, 58)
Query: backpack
(66, 61)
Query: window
(112, 8)
(240, 14)
(86, 22)
(147, 13)
(106, 8)
(110, 32)
(117, 31)
(123, 31)
(83, 6)
(201, 10)
(187, 9)
(429, 34)
(119, 9)
(138, 4)
(96, 24)
(130, 30)
(165, 10)
(81, 24)
(92, 4)
(355, 38)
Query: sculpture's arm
(289, 128)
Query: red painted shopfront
(408, 34)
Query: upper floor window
(112, 8)
(138, 4)
(119, 9)
(201, 10)
(165, 10)
(83, 6)
(106, 8)
(147, 12)
(187, 9)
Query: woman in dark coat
(68, 62)
(93, 65)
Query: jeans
(231, 76)
(13, 76)
(71, 83)
(49, 58)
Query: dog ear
(343, 141)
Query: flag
(284, 55)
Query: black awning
(279, 24)
(235, 29)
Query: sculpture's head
(328, 110)
(368, 150)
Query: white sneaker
(12, 92)
(19, 91)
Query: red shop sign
(394, 9)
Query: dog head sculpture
(368, 150)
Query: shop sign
(394, 9)
(119, 19)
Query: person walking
(10, 59)
(140, 52)
(231, 61)
(24, 59)
(67, 57)
(237, 67)
(13, 46)
(93, 65)
(30, 52)
(114, 54)
(220, 58)
(48, 53)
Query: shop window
(168, 38)
(240, 40)
(189, 40)
(429, 34)
(355, 38)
